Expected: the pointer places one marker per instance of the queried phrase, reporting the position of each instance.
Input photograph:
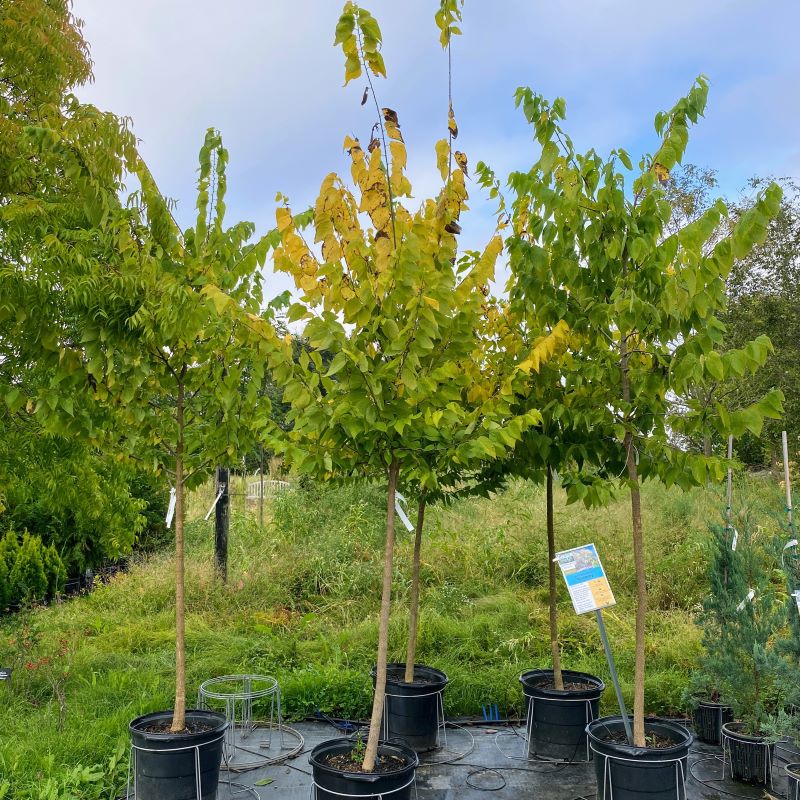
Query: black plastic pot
(708, 719)
(749, 757)
(625, 772)
(166, 764)
(557, 719)
(332, 783)
(793, 776)
(412, 709)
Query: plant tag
(5, 673)
(400, 513)
(795, 594)
(213, 505)
(171, 509)
(790, 543)
(735, 539)
(586, 579)
(750, 595)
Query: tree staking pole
(612, 668)
(787, 479)
(221, 523)
(261, 490)
(729, 493)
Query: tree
(741, 616)
(764, 295)
(157, 365)
(647, 301)
(388, 295)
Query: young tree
(158, 365)
(648, 303)
(388, 295)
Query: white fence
(270, 488)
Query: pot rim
(793, 769)
(729, 728)
(443, 680)
(134, 726)
(599, 683)
(367, 777)
(686, 736)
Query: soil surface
(569, 686)
(651, 740)
(192, 726)
(345, 762)
(399, 676)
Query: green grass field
(301, 604)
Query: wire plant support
(607, 792)
(727, 756)
(249, 741)
(529, 723)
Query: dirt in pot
(350, 762)
(569, 686)
(652, 741)
(399, 676)
(192, 726)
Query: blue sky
(265, 73)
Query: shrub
(28, 577)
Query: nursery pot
(625, 772)
(168, 765)
(332, 783)
(708, 719)
(793, 776)
(749, 757)
(557, 719)
(412, 709)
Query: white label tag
(790, 543)
(735, 539)
(796, 595)
(400, 513)
(213, 505)
(171, 509)
(750, 595)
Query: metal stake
(614, 678)
(787, 479)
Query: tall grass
(301, 604)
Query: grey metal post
(261, 490)
(787, 479)
(614, 678)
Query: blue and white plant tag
(171, 509)
(750, 595)
(398, 498)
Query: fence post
(221, 522)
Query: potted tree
(399, 310)
(166, 382)
(703, 694)
(651, 303)
(739, 636)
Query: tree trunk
(638, 559)
(413, 622)
(179, 712)
(376, 719)
(558, 679)
(641, 594)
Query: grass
(301, 604)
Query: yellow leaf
(433, 303)
(451, 123)
(461, 160)
(442, 157)
(283, 216)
